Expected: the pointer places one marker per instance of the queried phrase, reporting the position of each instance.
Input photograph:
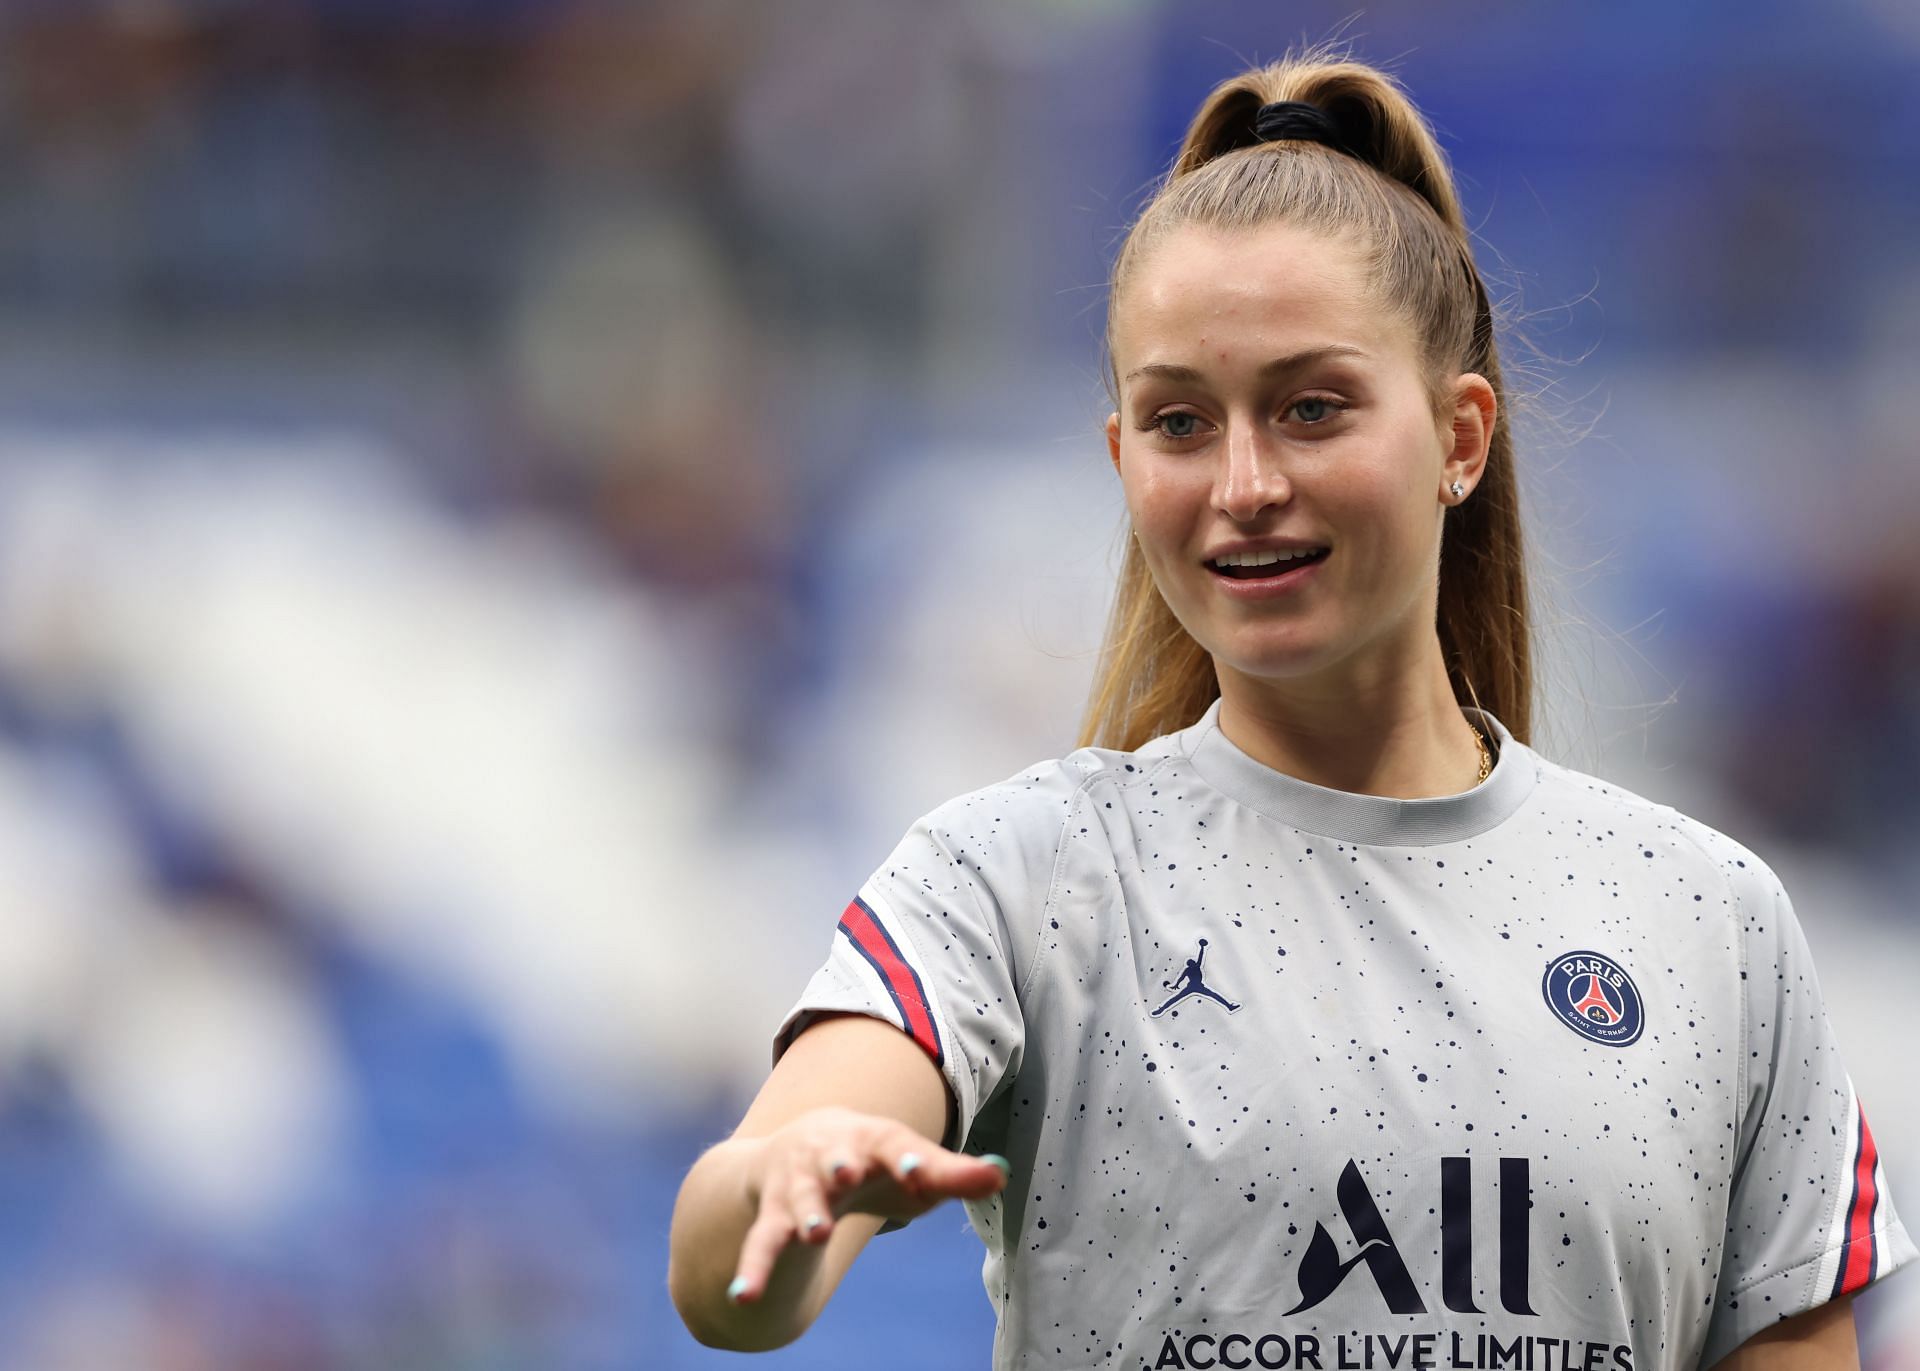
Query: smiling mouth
(1267, 571)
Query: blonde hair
(1395, 196)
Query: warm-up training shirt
(1536, 1076)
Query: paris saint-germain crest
(1594, 996)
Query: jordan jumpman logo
(1189, 983)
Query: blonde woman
(1306, 1016)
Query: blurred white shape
(69, 886)
(198, 1054)
(203, 1058)
(479, 749)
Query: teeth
(1260, 558)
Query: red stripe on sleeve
(901, 982)
(1860, 1222)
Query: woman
(1314, 1019)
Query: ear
(1113, 438)
(1470, 427)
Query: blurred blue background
(508, 510)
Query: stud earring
(1457, 489)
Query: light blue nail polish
(813, 1223)
(995, 1159)
(736, 1290)
(910, 1163)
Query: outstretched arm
(1819, 1340)
(838, 1141)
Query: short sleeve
(939, 939)
(1809, 1218)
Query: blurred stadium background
(509, 507)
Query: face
(1269, 403)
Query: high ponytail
(1391, 190)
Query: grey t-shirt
(1536, 1076)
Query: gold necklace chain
(1486, 758)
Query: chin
(1271, 661)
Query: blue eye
(1323, 407)
(1177, 424)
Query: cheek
(1391, 521)
(1385, 483)
(1163, 498)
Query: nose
(1249, 478)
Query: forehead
(1275, 289)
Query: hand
(830, 1162)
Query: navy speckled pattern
(1282, 1085)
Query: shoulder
(1615, 814)
(1019, 826)
(1041, 798)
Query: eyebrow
(1293, 361)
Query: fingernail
(909, 1163)
(995, 1159)
(839, 1169)
(813, 1223)
(736, 1290)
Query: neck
(1403, 738)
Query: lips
(1275, 581)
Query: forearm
(710, 1222)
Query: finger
(807, 1202)
(908, 1168)
(954, 1175)
(769, 1236)
(927, 1175)
(843, 1172)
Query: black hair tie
(1298, 120)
